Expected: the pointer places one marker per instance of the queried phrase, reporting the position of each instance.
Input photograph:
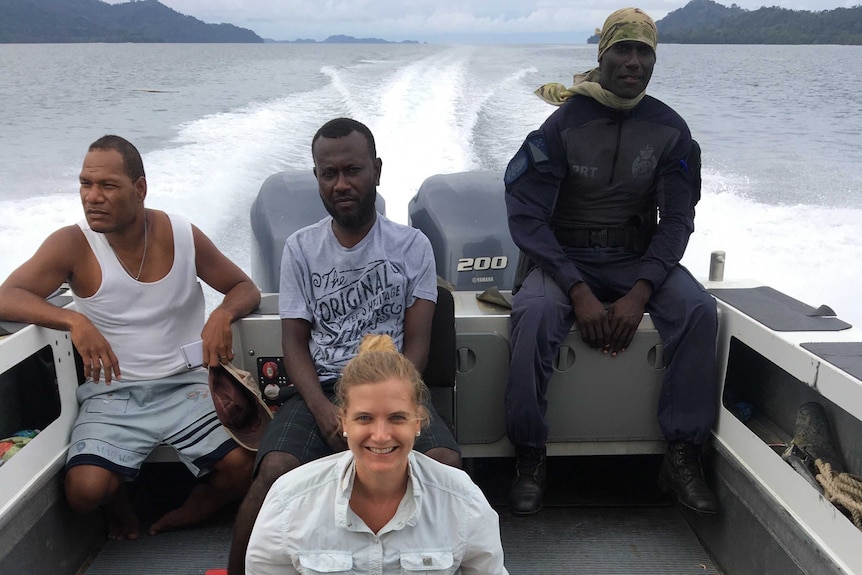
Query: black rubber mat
(846, 356)
(779, 311)
(602, 515)
(158, 489)
(188, 552)
(603, 541)
(557, 540)
(587, 481)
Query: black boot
(525, 498)
(681, 472)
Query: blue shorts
(119, 425)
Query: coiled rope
(844, 489)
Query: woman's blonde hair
(377, 361)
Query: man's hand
(94, 349)
(327, 416)
(591, 316)
(625, 316)
(217, 338)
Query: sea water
(780, 127)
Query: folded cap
(238, 404)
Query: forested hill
(707, 22)
(46, 21)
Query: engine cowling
(464, 216)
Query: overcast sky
(472, 21)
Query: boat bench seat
(597, 404)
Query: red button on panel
(269, 370)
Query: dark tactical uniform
(582, 194)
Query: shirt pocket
(313, 562)
(427, 562)
(115, 402)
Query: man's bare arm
(241, 297)
(23, 293)
(417, 332)
(300, 369)
(22, 299)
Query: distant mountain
(341, 39)
(695, 16)
(59, 21)
(707, 22)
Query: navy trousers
(682, 311)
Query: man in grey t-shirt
(344, 292)
(350, 274)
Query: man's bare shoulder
(69, 240)
(57, 260)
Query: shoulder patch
(538, 149)
(517, 167)
(534, 152)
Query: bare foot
(202, 503)
(123, 524)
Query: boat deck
(603, 515)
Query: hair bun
(376, 342)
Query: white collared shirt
(443, 525)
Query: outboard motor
(464, 216)
(286, 202)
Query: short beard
(358, 219)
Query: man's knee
(541, 308)
(445, 456)
(702, 316)
(540, 319)
(273, 465)
(238, 465)
(237, 459)
(89, 487)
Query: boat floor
(601, 516)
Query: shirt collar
(408, 508)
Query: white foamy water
(782, 189)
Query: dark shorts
(294, 431)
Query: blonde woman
(379, 507)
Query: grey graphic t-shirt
(348, 293)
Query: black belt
(596, 238)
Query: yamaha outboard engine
(464, 216)
(286, 202)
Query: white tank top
(146, 323)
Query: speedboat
(603, 512)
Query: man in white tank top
(134, 276)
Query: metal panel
(592, 397)
(482, 366)
(596, 397)
(44, 455)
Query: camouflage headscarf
(626, 24)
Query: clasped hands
(610, 329)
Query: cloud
(422, 19)
(427, 20)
